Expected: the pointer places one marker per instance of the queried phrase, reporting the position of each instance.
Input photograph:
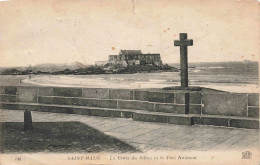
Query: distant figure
(30, 76)
(20, 81)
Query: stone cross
(183, 43)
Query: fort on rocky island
(132, 57)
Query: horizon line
(74, 63)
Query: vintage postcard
(129, 82)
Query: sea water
(233, 77)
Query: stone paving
(148, 136)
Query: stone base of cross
(183, 89)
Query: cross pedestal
(184, 88)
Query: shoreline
(130, 81)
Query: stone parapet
(124, 102)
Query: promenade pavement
(148, 136)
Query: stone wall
(231, 104)
(195, 102)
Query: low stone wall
(194, 102)
(231, 104)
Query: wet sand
(133, 81)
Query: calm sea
(240, 77)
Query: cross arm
(183, 43)
(188, 42)
(177, 43)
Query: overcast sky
(35, 32)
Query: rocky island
(127, 62)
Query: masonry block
(184, 120)
(7, 98)
(62, 101)
(67, 92)
(195, 97)
(9, 106)
(141, 95)
(74, 101)
(51, 109)
(253, 99)
(65, 110)
(139, 117)
(22, 106)
(126, 114)
(10, 90)
(45, 100)
(45, 91)
(214, 121)
(95, 93)
(180, 120)
(126, 104)
(195, 120)
(115, 114)
(81, 111)
(179, 98)
(89, 102)
(107, 104)
(27, 94)
(100, 112)
(169, 97)
(157, 118)
(45, 108)
(195, 109)
(253, 112)
(151, 106)
(229, 104)
(244, 123)
(170, 108)
(2, 90)
(41, 108)
(156, 97)
(122, 94)
(28, 107)
(57, 109)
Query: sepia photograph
(129, 82)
